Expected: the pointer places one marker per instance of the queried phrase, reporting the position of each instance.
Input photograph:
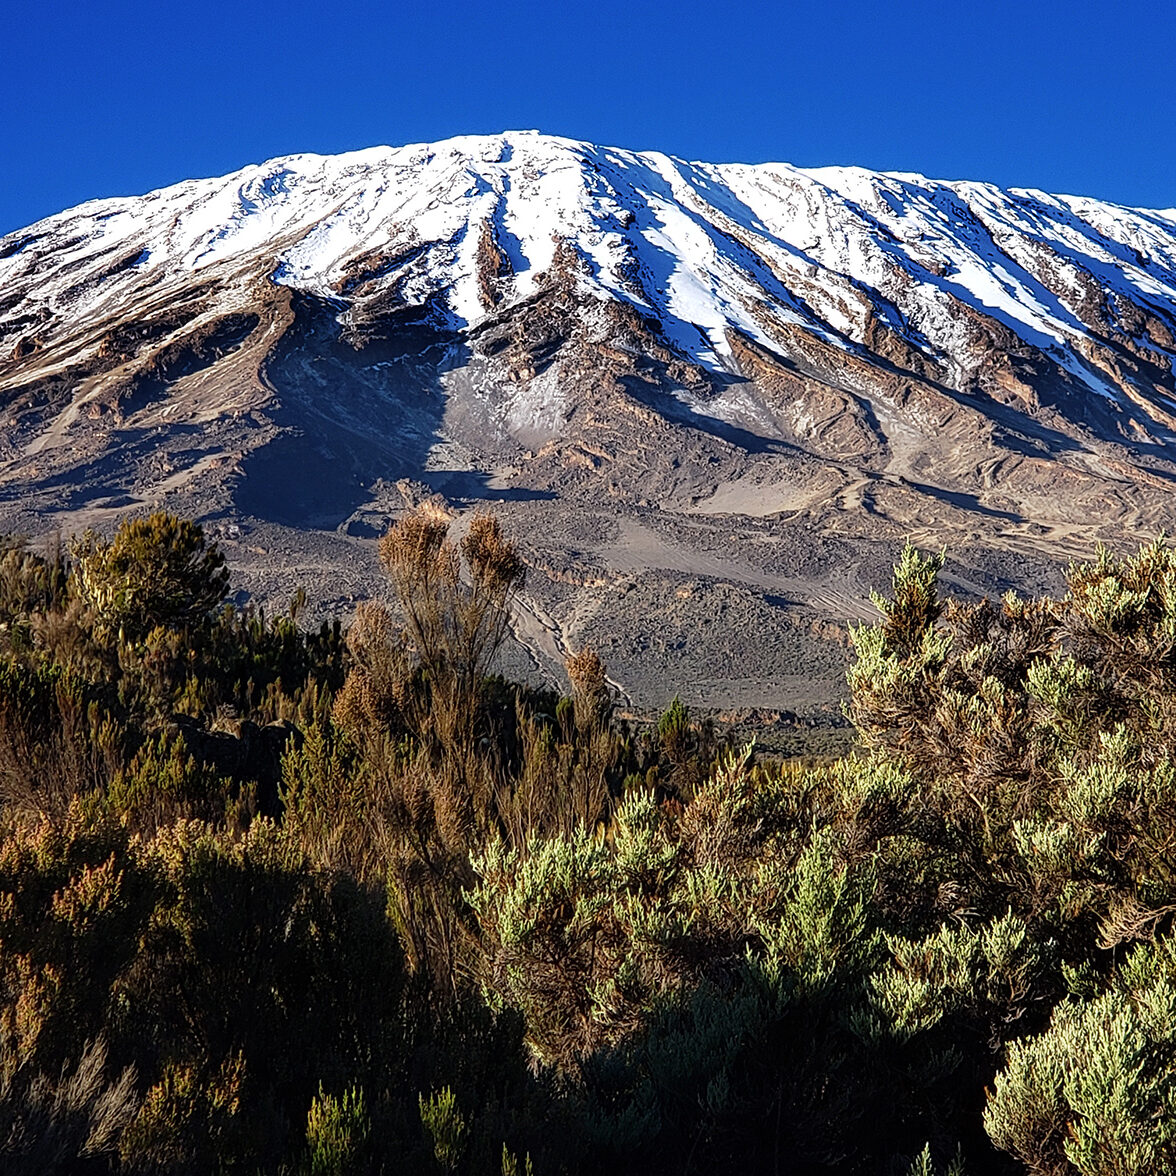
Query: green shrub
(156, 571)
(591, 950)
(446, 1127)
(1096, 1093)
(336, 1134)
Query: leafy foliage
(336, 1133)
(279, 899)
(156, 571)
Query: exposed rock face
(711, 399)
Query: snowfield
(705, 248)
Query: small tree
(435, 795)
(455, 622)
(156, 571)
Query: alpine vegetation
(276, 898)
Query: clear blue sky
(108, 97)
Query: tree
(454, 622)
(156, 571)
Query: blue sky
(113, 97)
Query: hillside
(711, 400)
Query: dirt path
(536, 628)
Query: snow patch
(708, 248)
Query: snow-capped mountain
(826, 352)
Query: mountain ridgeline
(720, 394)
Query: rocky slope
(711, 399)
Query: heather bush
(1096, 1092)
(156, 571)
(337, 1131)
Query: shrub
(336, 1131)
(1096, 1093)
(65, 1123)
(156, 570)
(455, 624)
(481, 928)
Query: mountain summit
(712, 398)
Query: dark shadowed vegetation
(279, 899)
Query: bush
(156, 571)
(1096, 1093)
(481, 928)
(336, 1133)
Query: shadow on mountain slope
(351, 410)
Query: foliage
(54, 1124)
(446, 1127)
(156, 571)
(1096, 1092)
(336, 1132)
(455, 617)
(283, 899)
